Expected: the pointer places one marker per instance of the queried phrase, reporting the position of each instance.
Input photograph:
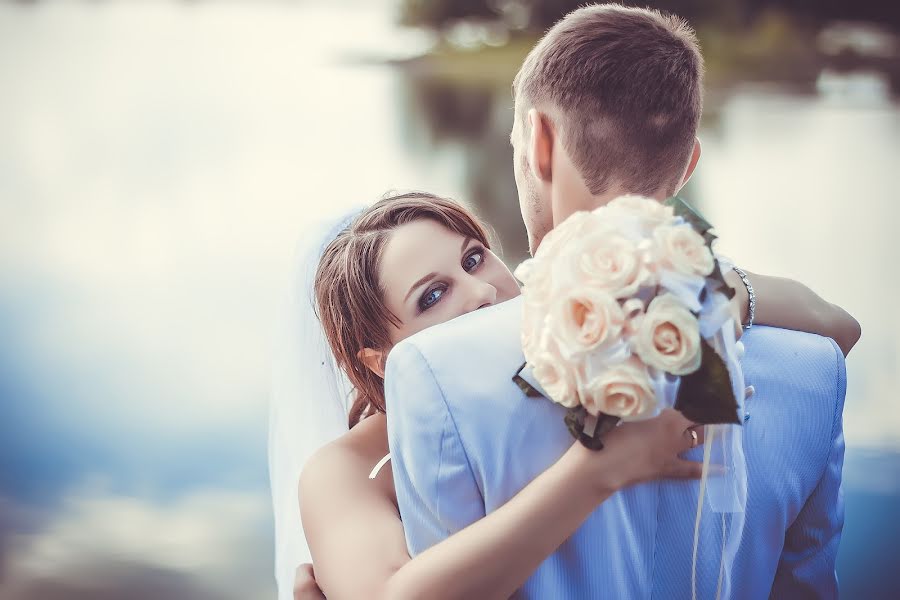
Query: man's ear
(373, 360)
(692, 164)
(540, 145)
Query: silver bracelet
(751, 310)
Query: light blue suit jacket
(464, 440)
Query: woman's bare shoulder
(345, 463)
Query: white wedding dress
(309, 402)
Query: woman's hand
(640, 451)
(305, 586)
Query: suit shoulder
(462, 362)
(473, 335)
(800, 380)
(813, 361)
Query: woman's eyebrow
(430, 276)
(419, 283)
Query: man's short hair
(623, 87)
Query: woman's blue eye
(431, 298)
(473, 260)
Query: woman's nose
(481, 294)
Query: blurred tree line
(537, 15)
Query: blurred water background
(158, 161)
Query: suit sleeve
(807, 565)
(437, 492)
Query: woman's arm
(359, 548)
(789, 304)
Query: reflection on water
(472, 122)
(150, 196)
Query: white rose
(585, 319)
(683, 250)
(668, 337)
(622, 390)
(559, 239)
(529, 343)
(649, 212)
(534, 329)
(555, 376)
(537, 277)
(606, 259)
(541, 275)
(526, 270)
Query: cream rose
(651, 213)
(560, 238)
(535, 332)
(555, 376)
(586, 319)
(683, 250)
(668, 337)
(606, 259)
(526, 270)
(622, 390)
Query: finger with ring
(695, 437)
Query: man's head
(607, 103)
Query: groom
(608, 103)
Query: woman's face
(431, 274)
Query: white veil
(310, 399)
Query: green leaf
(684, 210)
(706, 396)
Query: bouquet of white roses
(621, 305)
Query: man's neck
(576, 200)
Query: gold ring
(694, 438)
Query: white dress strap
(379, 465)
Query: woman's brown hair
(349, 296)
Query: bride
(373, 278)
